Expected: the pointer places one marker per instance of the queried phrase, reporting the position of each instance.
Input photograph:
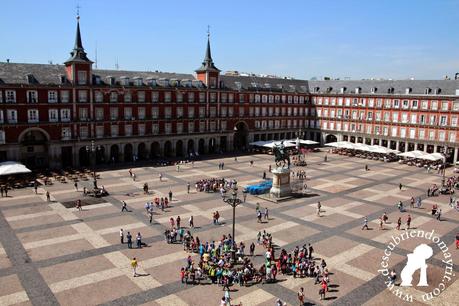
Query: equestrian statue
(281, 157)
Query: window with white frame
(99, 113)
(128, 113)
(452, 137)
(434, 105)
(213, 97)
(405, 104)
(433, 120)
(1, 116)
(113, 113)
(128, 130)
(32, 96)
(403, 132)
(1, 96)
(202, 126)
(395, 117)
(65, 115)
(432, 135)
(223, 125)
(223, 111)
(404, 117)
(155, 129)
(82, 96)
(212, 112)
(443, 120)
(141, 129)
(84, 132)
(66, 133)
(414, 104)
(99, 131)
(10, 96)
(396, 103)
(83, 112)
(191, 112)
(412, 133)
(179, 97)
(223, 98)
(191, 97)
(82, 77)
(444, 106)
(98, 96)
(424, 104)
(241, 112)
(422, 119)
(141, 96)
(127, 97)
(167, 113)
(167, 97)
(179, 127)
(202, 97)
(257, 99)
(155, 97)
(231, 98)
(442, 136)
(154, 112)
(422, 134)
(394, 131)
(32, 116)
(113, 97)
(52, 96)
(414, 118)
(114, 130)
(202, 112)
(141, 113)
(191, 127)
(53, 115)
(65, 96)
(454, 121)
(2, 137)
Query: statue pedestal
(281, 183)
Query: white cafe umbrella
(11, 167)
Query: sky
(355, 39)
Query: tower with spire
(208, 73)
(79, 66)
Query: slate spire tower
(208, 73)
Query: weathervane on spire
(208, 31)
(78, 11)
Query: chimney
(7, 60)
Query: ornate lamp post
(91, 150)
(233, 201)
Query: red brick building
(72, 114)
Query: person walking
(399, 223)
(139, 240)
(252, 249)
(439, 215)
(35, 186)
(310, 251)
(150, 214)
(301, 296)
(78, 205)
(264, 175)
(129, 240)
(170, 195)
(319, 206)
(1, 190)
(48, 196)
(177, 221)
(122, 236)
(408, 222)
(124, 208)
(400, 186)
(366, 168)
(266, 213)
(365, 224)
(188, 186)
(191, 222)
(160, 177)
(134, 265)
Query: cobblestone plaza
(50, 254)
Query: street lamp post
(233, 201)
(91, 150)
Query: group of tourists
(138, 239)
(4, 190)
(210, 185)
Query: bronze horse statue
(281, 158)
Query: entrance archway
(201, 146)
(128, 153)
(114, 153)
(168, 149)
(212, 146)
(34, 148)
(179, 148)
(142, 151)
(155, 150)
(331, 138)
(100, 155)
(241, 133)
(190, 146)
(83, 157)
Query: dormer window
(124, 81)
(373, 89)
(111, 80)
(292, 87)
(138, 81)
(304, 89)
(267, 86)
(316, 89)
(62, 79)
(437, 91)
(342, 90)
(427, 91)
(329, 89)
(97, 80)
(280, 86)
(390, 90)
(30, 79)
(408, 90)
(151, 82)
(238, 85)
(358, 90)
(253, 84)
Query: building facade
(74, 115)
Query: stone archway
(83, 157)
(155, 150)
(241, 135)
(212, 146)
(34, 146)
(168, 149)
(190, 147)
(201, 146)
(100, 155)
(114, 153)
(142, 153)
(331, 138)
(179, 148)
(128, 153)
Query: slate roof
(16, 73)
